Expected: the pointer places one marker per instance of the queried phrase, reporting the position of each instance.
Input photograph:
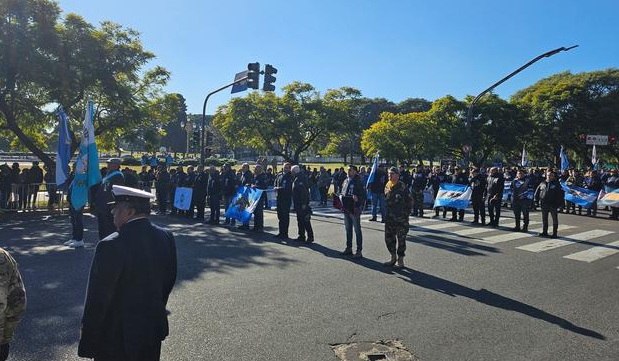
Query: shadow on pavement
(56, 276)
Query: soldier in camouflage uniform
(399, 204)
(12, 301)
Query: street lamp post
(469, 114)
(240, 80)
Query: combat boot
(392, 262)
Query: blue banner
(244, 203)
(580, 196)
(453, 195)
(507, 191)
(87, 171)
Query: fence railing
(27, 197)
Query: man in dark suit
(103, 195)
(131, 277)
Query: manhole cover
(373, 351)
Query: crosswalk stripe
(564, 241)
(473, 230)
(511, 236)
(595, 253)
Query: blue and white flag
(453, 195)
(580, 196)
(565, 163)
(609, 197)
(594, 158)
(507, 191)
(524, 161)
(182, 198)
(373, 171)
(271, 197)
(244, 203)
(63, 153)
(87, 171)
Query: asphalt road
(467, 294)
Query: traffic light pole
(240, 80)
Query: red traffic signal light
(582, 137)
(612, 139)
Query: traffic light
(209, 139)
(253, 75)
(195, 139)
(269, 79)
(612, 139)
(582, 137)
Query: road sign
(466, 148)
(597, 139)
(242, 86)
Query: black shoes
(346, 252)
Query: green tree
(285, 126)
(565, 105)
(46, 60)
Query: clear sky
(391, 49)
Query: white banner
(597, 139)
(182, 198)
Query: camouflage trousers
(395, 234)
(417, 203)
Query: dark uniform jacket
(163, 181)
(247, 178)
(103, 195)
(200, 185)
(228, 183)
(354, 187)
(521, 188)
(300, 193)
(549, 194)
(131, 277)
(460, 178)
(35, 176)
(284, 194)
(495, 187)
(419, 182)
(190, 180)
(213, 187)
(437, 179)
(398, 203)
(593, 183)
(478, 186)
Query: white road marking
(595, 253)
(564, 241)
(511, 236)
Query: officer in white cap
(132, 275)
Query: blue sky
(390, 49)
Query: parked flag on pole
(87, 171)
(63, 153)
(565, 163)
(523, 161)
(373, 171)
(453, 195)
(594, 158)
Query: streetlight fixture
(469, 114)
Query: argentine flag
(373, 171)
(565, 163)
(63, 153)
(453, 195)
(87, 171)
(244, 203)
(580, 196)
(608, 197)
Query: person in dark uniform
(213, 191)
(460, 177)
(190, 182)
(494, 194)
(523, 189)
(199, 192)
(419, 181)
(301, 198)
(283, 186)
(593, 182)
(399, 204)
(260, 181)
(550, 195)
(162, 187)
(131, 277)
(103, 195)
(247, 179)
(478, 188)
(228, 189)
(179, 181)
